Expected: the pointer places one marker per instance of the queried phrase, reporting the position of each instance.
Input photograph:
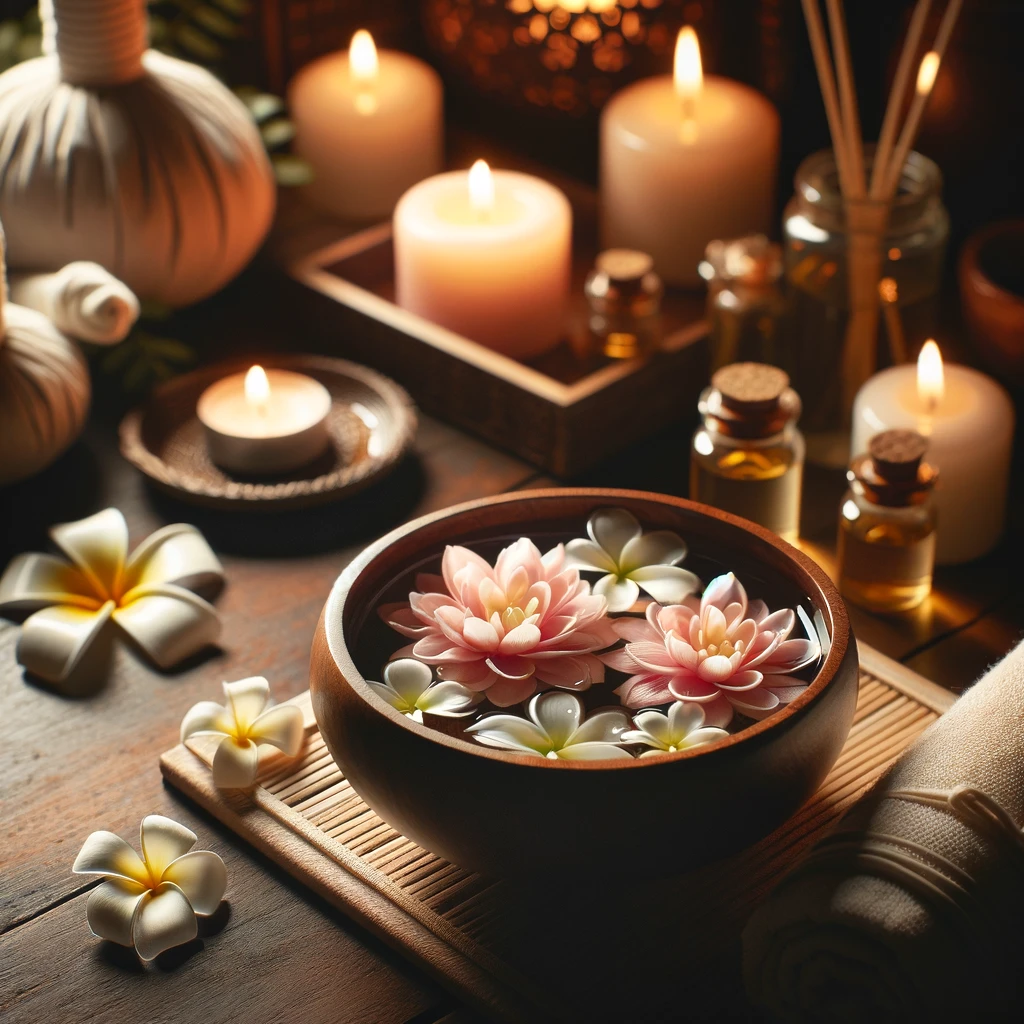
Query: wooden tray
(372, 423)
(564, 412)
(625, 949)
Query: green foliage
(146, 357)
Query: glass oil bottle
(748, 456)
(624, 298)
(887, 525)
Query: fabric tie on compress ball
(914, 907)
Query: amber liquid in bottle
(886, 564)
(759, 483)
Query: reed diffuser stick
(927, 74)
(897, 97)
(847, 97)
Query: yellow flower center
(511, 613)
(726, 648)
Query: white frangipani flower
(245, 722)
(409, 687)
(150, 902)
(682, 728)
(556, 730)
(631, 560)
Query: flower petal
(205, 718)
(718, 713)
(699, 737)
(715, 669)
(388, 694)
(792, 655)
(619, 660)
(281, 727)
(659, 547)
(98, 545)
(636, 630)
(111, 908)
(653, 726)
(163, 841)
(594, 752)
(480, 634)
(175, 554)
(754, 703)
(511, 666)
(511, 733)
(588, 556)
(520, 640)
(33, 581)
(235, 764)
(723, 591)
(557, 714)
(448, 698)
(684, 718)
(620, 594)
(503, 693)
(246, 700)
(642, 691)
(652, 656)
(738, 682)
(604, 727)
(408, 678)
(786, 694)
(612, 529)
(691, 687)
(667, 584)
(202, 877)
(54, 640)
(571, 673)
(169, 623)
(104, 853)
(163, 919)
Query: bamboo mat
(626, 948)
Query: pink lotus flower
(527, 621)
(722, 652)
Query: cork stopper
(892, 471)
(897, 454)
(750, 387)
(624, 265)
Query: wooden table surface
(72, 763)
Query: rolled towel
(913, 909)
(82, 299)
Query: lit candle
(486, 255)
(968, 420)
(369, 123)
(265, 421)
(686, 159)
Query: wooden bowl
(995, 313)
(503, 813)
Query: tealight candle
(265, 421)
(685, 160)
(487, 255)
(369, 124)
(968, 420)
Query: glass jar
(816, 246)
(624, 298)
(746, 308)
(886, 547)
(748, 456)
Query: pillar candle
(686, 160)
(968, 420)
(369, 124)
(487, 255)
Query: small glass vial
(624, 294)
(746, 310)
(748, 456)
(887, 525)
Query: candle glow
(687, 75)
(931, 383)
(363, 65)
(927, 72)
(257, 388)
(481, 187)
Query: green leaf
(237, 8)
(214, 21)
(262, 105)
(194, 42)
(169, 348)
(277, 132)
(290, 170)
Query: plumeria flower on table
(682, 728)
(150, 902)
(723, 652)
(409, 687)
(556, 729)
(244, 723)
(631, 560)
(503, 630)
(149, 594)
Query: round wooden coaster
(372, 423)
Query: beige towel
(914, 908)
(82, 299)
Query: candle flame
(927, 72)
(931, 379)
(257, 388)
(362, 59)
(481, 187)
(688, 74)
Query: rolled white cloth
(913, 909)
(82, 299)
